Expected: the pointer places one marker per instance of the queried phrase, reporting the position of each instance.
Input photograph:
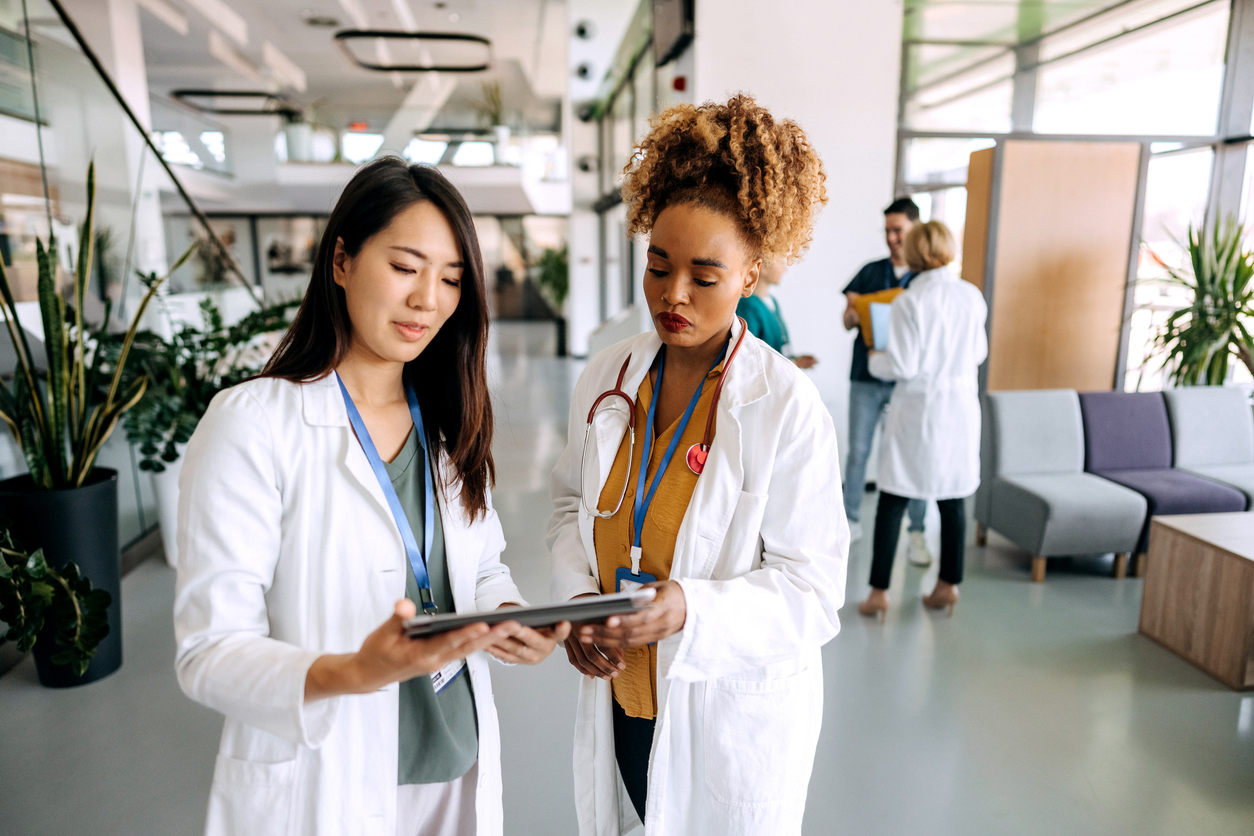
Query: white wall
(609, 19)
(831, 65)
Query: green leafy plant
(491, 108)
(33, 594)
(553, 275)
(185, 372)
(214, 269)
(1201, 339)
(107, 266)
(61, 421)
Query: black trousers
(633, 740)
(953, 514)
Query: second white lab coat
(936, 343)
(761, 556)
(287, 551)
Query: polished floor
(1035, 709)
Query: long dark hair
(449, 376)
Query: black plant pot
(78, 525)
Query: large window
(978, 71)
(1175, 199)
(1165, 78)
(957, 89)
(932, 161)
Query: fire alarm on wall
(680, 83)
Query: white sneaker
(917, 552)
(855, 531)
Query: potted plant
(553, 275)
(491, 109)
(553, 278)
(34, 594)
(1201, 339)
(184, 373)
(65, 505)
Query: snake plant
(1200, 340)
(33, 593)
(62, 421)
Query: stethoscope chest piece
(697, 454)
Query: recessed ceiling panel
(392, 50)
(236, 102)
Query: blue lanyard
(417, 559)
(642, 501)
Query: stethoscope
(697, 453)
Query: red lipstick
(673, 322)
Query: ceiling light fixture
(320, 21)
(445, 52)
(267, 104)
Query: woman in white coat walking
(931, 444)
(348, 486)
(711, 474)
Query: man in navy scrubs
(869, 395)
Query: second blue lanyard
(417, 558)
(642, 501)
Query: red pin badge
(697, 454)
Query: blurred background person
(931, 447)
(868, 396)
(765, 319)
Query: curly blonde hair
(735, 159)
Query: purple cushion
(1125, 431)
(1176, 492)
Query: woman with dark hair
(348, 485)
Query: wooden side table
(1198, 599)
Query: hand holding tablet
(578, 610)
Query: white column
(130, 74)
(112, 30)
(608, 19)
(833, 67)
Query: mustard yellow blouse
(635, 688)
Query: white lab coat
(287, 551)
(936, 343)
(761, 556)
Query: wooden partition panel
(979, 201)
(1063, 233)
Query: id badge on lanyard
(626, 579)
(417, 557)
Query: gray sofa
(1034, 490)
(1212, 434)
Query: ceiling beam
(167, 14)
(229, 21)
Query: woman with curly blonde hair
(708, 471)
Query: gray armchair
(1034, 490)
(1212, 434)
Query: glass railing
(58, 113)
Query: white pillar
(604, 22)
(583, 304)
(112, 30)
(833, 67)
(130, 74)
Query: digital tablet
(592, 608)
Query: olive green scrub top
(439, 733)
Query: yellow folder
(863, 306)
